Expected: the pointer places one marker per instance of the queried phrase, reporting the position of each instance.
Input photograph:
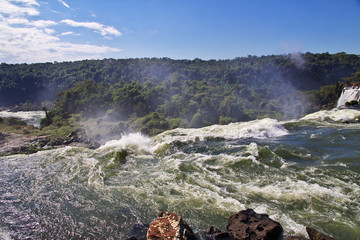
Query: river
(302, 173)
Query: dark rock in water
(213, 233)
(296, 238)
(248, 225)
(94, 145)
(316, 235)
(121, 156)
(138, 232)
(169, 226)
(2, 136)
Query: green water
(301, 173)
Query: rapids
(302, 173)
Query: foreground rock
(316, 235)
(170, 226)
(248, 224)
(313, 235)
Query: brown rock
(316, 235)
(169, 226)
(248, 225)
(213, 233)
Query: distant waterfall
(348, 94)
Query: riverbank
(17, 137)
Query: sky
(33, 31)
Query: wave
(257, 129)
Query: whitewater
(303, 172)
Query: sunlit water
(302, 173)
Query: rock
(121, 155)
(2, 136)
(213, 233)
(296, 238)
(170, 226)
(138, 232)
(94, 145)
(316, 235)
(248, 225)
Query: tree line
(189, 93)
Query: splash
(134, 141)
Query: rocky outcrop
(248, 225)
(170, 226)
(316, 235)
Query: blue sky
(66, 30)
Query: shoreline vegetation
(88, 102)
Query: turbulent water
(302, 173)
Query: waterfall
(348, 94)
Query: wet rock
(121, 155)
(169, 226)
(94, 145)
(248, 225)
(76, 136)
(316, 235)
(2, 136)
(213, 233)
(138, 232)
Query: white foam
(259, 129)
(337, 115)
(135, 141)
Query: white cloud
(26, 2)
(26, 40)
(7, 7)
(104, 30)
(64, 3)
(35, 45)
(69, 33)
(24, 21)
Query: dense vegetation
(155, 94)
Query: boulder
(249, 225)
(138, 232)
(213, 233)
(316, 235)
(169, 226)
(94, 145)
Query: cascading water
(348, 94)
(302, 173)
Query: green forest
(154, 94)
